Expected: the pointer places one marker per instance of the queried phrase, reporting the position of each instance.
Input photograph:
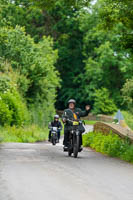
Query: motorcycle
(54, 135)
(74, 138)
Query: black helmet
(72, 101)
(56, 117)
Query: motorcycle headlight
(75, 123)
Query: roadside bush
(13, 110)
(128, 154)
(41, 114)
(4, 83)
(1, 139)
(32, 67)
(103, 103)
(5, 114)
(127, 92)
(28, 134)
(110, 144)
(128, 116)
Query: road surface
(41, 171)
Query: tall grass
(23, 134)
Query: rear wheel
(76, 146)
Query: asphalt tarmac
(41, 171)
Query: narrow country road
(44, 172)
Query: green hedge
(110, 144)
(13, 110)
(29, 134)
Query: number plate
(75, 123)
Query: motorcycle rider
(55, 123)
(73, 113)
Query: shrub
(5, 114)
(4, 83)
(110, 144)
(23, 134)
(128, 154)
(41, 114)
(103, 103)
(127, 92)
(13, 110)
(36, 76)
(128, 116)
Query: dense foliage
(13, 110)
(103, 103)
(32, 65)
(88, 46)
(127, 92)
(33, 61)
(118, 11)
(109, 144)
(23, 134)
(128, 116)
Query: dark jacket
(68, 114)
(56, 124)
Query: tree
(51, 4)
(23, 13)
(119, 11)
(59, 20)
(103, 103)
(34, 63)
(127, 92)
(107, 64)
(90, 57)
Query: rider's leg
(49, 137)
(80, 139)
(58, 134)
(80, 142)
(66, 137)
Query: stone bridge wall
(114, 128)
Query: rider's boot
(65, 148)
(80, 148)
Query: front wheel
(69, 153)
(70, 148)
(76, 146)
(53, 141)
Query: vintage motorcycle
(74, 138)
(54, 135)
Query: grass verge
(29, 134)
(110, 144)
(88, 122)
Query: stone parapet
(106, 128)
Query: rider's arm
(83, 113)
(64, 116)
(60, 125)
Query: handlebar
(56, 127)
(68, 120)
(80, 121)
